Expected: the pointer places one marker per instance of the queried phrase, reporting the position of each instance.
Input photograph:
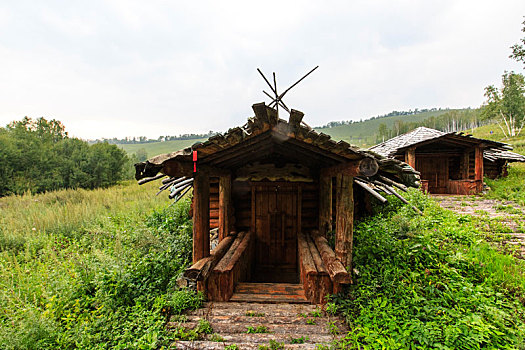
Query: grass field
(156, 148)
(91, 269)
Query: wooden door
(435, 171)
(275, 221)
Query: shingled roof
(267, 130)
(494, 151)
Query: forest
(38, 156)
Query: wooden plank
(201, 216)
(221, 281)
(478, 167)
(202, 268)
(335, 268)
(225, 261)
(410, 157)
(465, 164)
(325, 204)
(344, 224)
(225, 206)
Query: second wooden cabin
(450, 163)
(278, 192)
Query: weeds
(272, 345)
(300, 340)
(431, 282)
(92, 269)
(258, 329)
(254, 314)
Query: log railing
(233, 267)
(320, 271)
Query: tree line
(391, 114)
(453, 120)
(143, 139)
(38, 156)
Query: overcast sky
(131, 68)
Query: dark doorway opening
(276, 221)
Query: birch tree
(507, 104)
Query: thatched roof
(493, 150)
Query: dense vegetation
(432, 281)
(366, 133)
(91, 269)
(454, 120)
(391, 114)
(37, 156)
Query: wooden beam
(344, 219)
(225, 206)
(478, 159)
(325, 204)
(466, 165)
(202, 268)
(295, 119)
(201, 216)
(410, 157)
(174, 168)
(362, 167)
(335, 268)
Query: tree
(518, 50)
(507, 105)
(141, 154)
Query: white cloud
(130, 68)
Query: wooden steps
(284, 323)
(269, 293)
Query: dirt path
(506, 220)
(241, 325)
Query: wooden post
(478, 158)
(466, 165)
(325, 204)
(201, 215)
(344, 219)
(225, 206)
(410, 157)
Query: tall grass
(91, 269)
(511, 187)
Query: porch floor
(269, 293)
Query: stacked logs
(178, 186)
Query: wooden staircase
(293, 325)
(269, 293)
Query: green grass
(484, 132)
(92, 269)
(156, 148)
(511, 187)
(431, 281)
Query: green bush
(38, 156)
(424, 283)
(109, 285)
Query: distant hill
(362, 134)
(154, 148)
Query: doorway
(276, 220)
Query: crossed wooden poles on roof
(277, 100)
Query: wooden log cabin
(277, 191)
(450, 163)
